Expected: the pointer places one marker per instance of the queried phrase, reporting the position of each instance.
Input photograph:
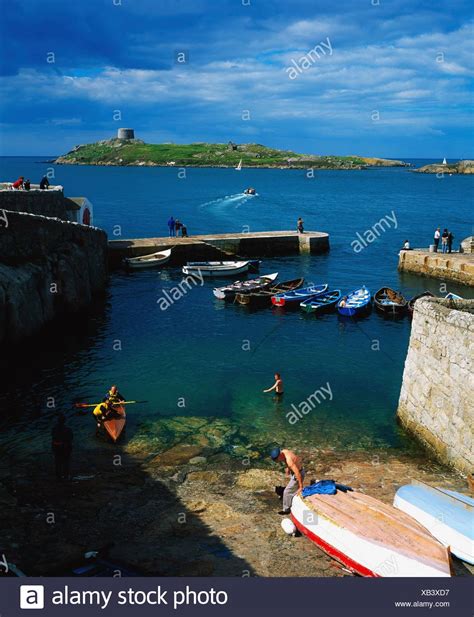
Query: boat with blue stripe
(323, 302)
(355, 303)
(294, 298)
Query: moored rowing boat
(390, 302)
(148, 261)
(221, 268)
(355, 303)
(325, 301)
(294, 298)
(244, 287)
(264, 296)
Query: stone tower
(126, 134)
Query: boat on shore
(451, 296)
(221, 268)
(447, 515)
(411, 302)
(355, 303)
(368, 537)
(294, 298)
(154, 260)
(324, 302)
(390, 302)
(244, 287)
(264, 296)
(115, 424)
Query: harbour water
(203, 358)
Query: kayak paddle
(118, 403)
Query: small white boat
(369, 537)
(239, 166)
(154, 260)
(447, 515)
(220, 268)
(244, 287)
(444, 161)
(451, 296)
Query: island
(461, 167)
(126, 150)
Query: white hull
(219, 269)
(155, 260)
(362, 547)
(447, 515)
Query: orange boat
(115, 425)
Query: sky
(386, 78)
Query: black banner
(240, 597)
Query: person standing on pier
(437, 236)
(450, 241)
(294, 470)
(300, 226)
(444, 241)
(172, 226)
(61, 442)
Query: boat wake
(226, 202)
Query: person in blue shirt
(172, 226)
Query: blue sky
(395, 78)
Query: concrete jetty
(458, 267)
(222, 246)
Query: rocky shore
(179, 496)
(461, 167)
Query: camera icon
(32, 596)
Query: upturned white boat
(369, 537)
(448, 515)
(148, 261)
(220, 268)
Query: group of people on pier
(446, 238)
(25, 185)
(175, 226)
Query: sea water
(204, 358)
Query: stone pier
(458, 267)
(223, 246)
(437, 397)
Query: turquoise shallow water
(197, 350)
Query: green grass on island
(136, 152)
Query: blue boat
(294, 298)
(355, 303)
(325, 301)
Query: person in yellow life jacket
(114, 396)
(101, 411)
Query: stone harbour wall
(458, 267)
(437, 397)
(48, 267)
(48, 203)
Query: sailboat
(239, 166)
(444, 161)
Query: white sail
(239, 166)
(444, 161)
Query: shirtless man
(294, 469)
(277, 386)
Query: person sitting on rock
(406, 246)
(18, 184)
(27, 185)
(44, 184)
